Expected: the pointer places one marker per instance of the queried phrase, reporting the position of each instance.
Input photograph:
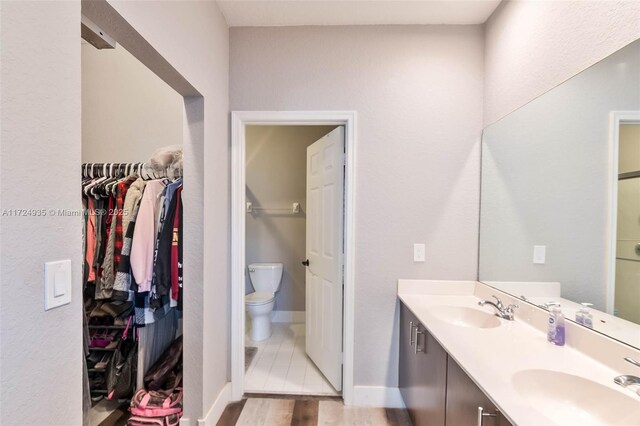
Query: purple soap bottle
(555, 332)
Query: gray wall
(40, 157)
(276, 176)
(40, 352)
(629, 150)
(532, 46)
(418, 94)
(545, 181)
(127, 110)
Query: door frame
(616, 118)
(239, 121)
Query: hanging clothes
(114, 237)
(144, 236)
(167, 237)
(122, 288)
(90, 238)
(132, 232)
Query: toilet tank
(265, 277)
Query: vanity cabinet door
(422, 372)
(463, 399)
(431, 388)
(406, 363)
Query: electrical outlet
(419, 252)
(539, 255)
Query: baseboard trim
(377, 396)
(288, 316)
(214, 413)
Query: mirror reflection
(560, 207)
(627, 263)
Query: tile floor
(282, 366)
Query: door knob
(305, 262)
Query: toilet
(265, 278)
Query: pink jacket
(144, 235)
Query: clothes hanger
(93, 174)
(144, 171)
(97, 188)
(112, 179)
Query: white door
(325, 201)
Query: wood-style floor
(294, 410)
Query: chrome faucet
(502, 312)
(627, 380)
(549, 304)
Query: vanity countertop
(491, 356)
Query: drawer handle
(411, 333)
(482, 415)
(417, 347)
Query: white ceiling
(267, 13)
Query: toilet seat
(259, 298)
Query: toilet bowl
(265, 279)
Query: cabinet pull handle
(417, 348)
(482, 415)
(411, 333)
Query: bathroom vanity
(462, 365)
(436, 391)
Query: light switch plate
(539, 255)
(57, 284)
(419, 252)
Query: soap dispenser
(555, 332)
(580, 316)
(584, 316)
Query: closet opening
(134, 127)
(292, 245)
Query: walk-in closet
(131, 187)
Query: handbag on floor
(160, 372)
(121, 369)
(156, 408)
(171, 420)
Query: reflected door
(627, 289)
(627, 297)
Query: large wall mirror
(560, 208)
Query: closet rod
(145, 170)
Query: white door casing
(239, 121)
(324, 252)
(616, 118)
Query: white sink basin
(571, 400)
(465, 317)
